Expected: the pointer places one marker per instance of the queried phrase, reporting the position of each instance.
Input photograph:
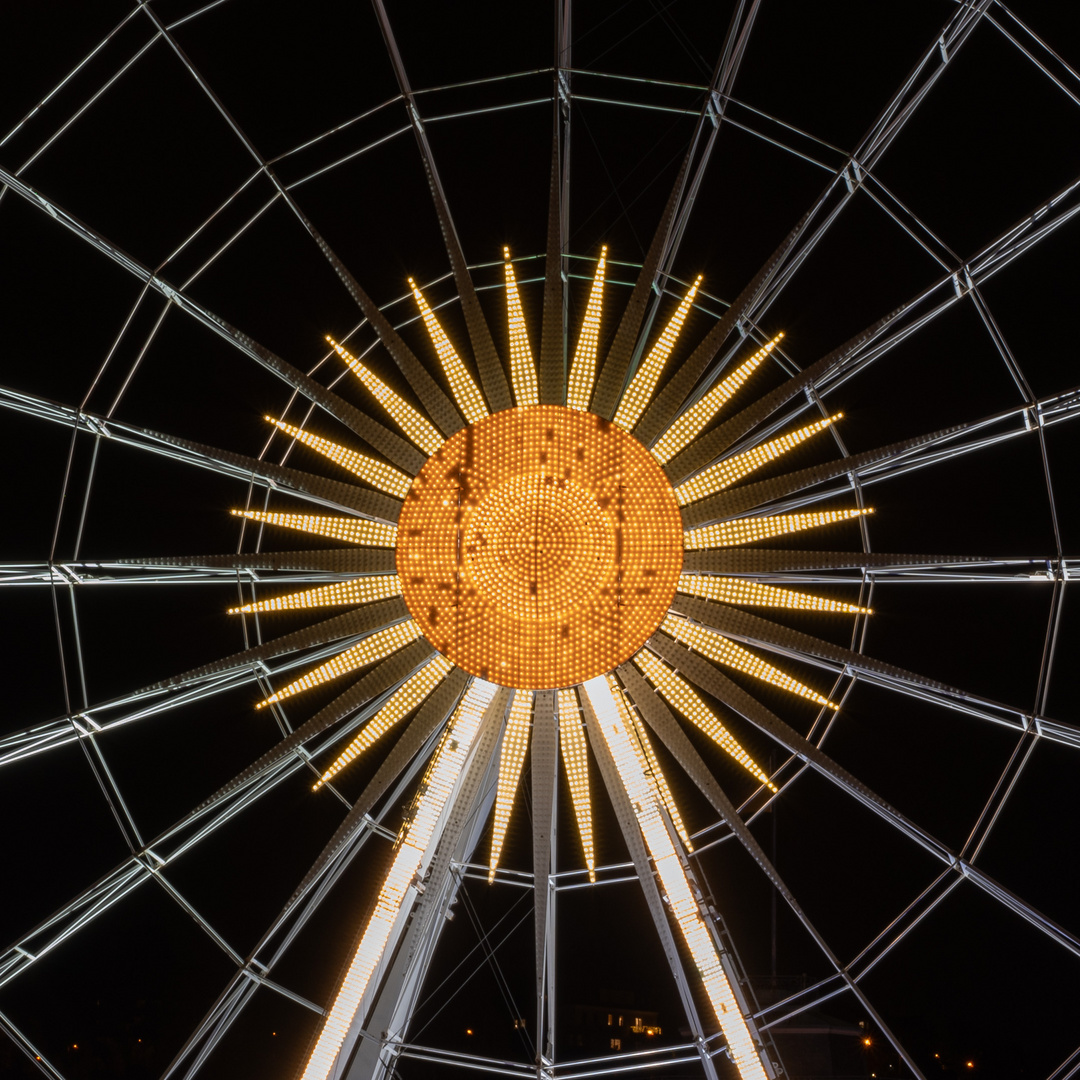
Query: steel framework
(386, 1041)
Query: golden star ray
(583, 369)
(682, 698)
(575, 755)
(384, 477)
(375, 647)
(687, 426)
(747, 530)
(724, 473)
(638, 394)
(466, 393)
(358, 531)
(754, 594)
(522, 366)
(357, 591)
(415, 426)
(407, 697)
(724, 651)
(514, 744)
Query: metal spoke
(492, 376)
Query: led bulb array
(465, 391)
(396, 890)
(719, 648)
(638, 393)
(539, 547)
(647, 758)
(673, 881)
(522, 368)
(384, 477)
(420, 430)
(515, 743)
(747, 530)
(699, 414)
(724, 473)
(372, 648)
(682, 698)
(402, 702)
(753, 594)
(575, 756)
(358, 591)
(583, 369)
(359, 531)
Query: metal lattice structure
(745, 701)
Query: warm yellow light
(583, 369)
(724, 473)
(402, 702)
(398, 889)
(674, 883)
(465, 391)
(522, 367)
(384, 477)
(353, 530)
(641, 387)
(682, 698)
(717, 647)
(647, 758)
(753, 594)
(699, 414)
(539, 547)
(416, 427)
(747, 530)
(366, 652)
(575, 755)
(358, 591)
(515, 743)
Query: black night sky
(133, 145)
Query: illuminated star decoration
(555, 574)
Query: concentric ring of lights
(539, 547)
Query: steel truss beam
(704, 674)
(492, 376)
(155, 857)
(775, 638)
(409, 755)
(97, 574)
(380, 438)
(151, 701)
(661, 720)
(833, 370)
(635, 844)
(382, 1018)
(315, 488)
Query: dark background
(151, 166)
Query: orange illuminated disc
(539, 547)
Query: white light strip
(515, 743)
(575, 755)
(680, 897)
(397, 890)
(647, 759)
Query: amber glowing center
(539, 547)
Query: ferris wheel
(538, 561)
